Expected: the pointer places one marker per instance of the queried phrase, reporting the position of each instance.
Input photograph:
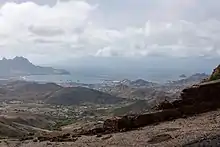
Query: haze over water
(92, 78)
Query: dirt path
(32, 128)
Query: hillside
(19, 124)
(187, 81)
(20, 66)
(137, 107)
(181, 132)
(26, 91)
(77, 95)
(54, 94)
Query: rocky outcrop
(130, 122)
(208, 91)
(211, 141)
(214, 76)
(57, 138)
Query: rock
(31, 134)
(164, 105)
(111, 125)
(182, 76)
(107, 137)
(26, 138)
(202, 92)
(98, 130)
(49, 143)
(66, 135)
(61, 138)
(99, 135)
(43, 138)
(135, 121)
(159, 138)
(213, 141)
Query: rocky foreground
(179, 132)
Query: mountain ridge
(20, 66)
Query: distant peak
(4, 59)
(19, 58)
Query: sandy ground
(168, 134)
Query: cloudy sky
(54, 30)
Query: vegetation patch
(136, 107)
(62, 122)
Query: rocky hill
(20, 66)
(137, 107)
(140, 93)
(54, 94)
(26, 91)
(79, 95)
(142, 83)
(16, 125)
(187, 81)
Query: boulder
(164, 105)
(112, 124)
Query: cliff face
(208, 91)
(206, 95)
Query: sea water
(93, 78)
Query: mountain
(51, 93)
(20, 66)
(142, 83)
(78, 95)
(182, 76)
(193, 79)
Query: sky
(52, 31)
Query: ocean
(93, 78)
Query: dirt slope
(173, 133)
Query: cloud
(44, 41)
(45, 30)
(23, 23)
(76, 28)
(179, 38)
